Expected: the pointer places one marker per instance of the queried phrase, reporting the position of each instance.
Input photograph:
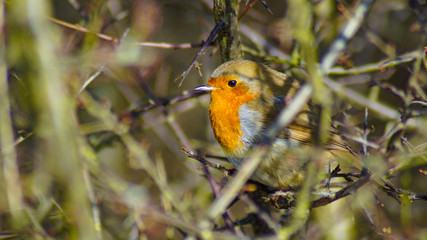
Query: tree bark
(228, 36)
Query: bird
(246, 97)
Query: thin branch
(213, 33)
(115, 40)
(386, 63)
(355, 97)
(200, 159)
(287, 199)
(261, 43)
(134, 148)
(96, 211)
(264, 3)
(252, 5)
(95, 75)
(189, 227)
(79, 8)
(349, 30)
(205, 163)
(247, 9)
(352, 188)
(37, 226)
(168, 102)
(399, 194)
(173, 124)
(18, 140)
(226, 217)
(101, 69)
(262, 214)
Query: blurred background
(92, 147)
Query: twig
(251, 6)
(208, 175)
(96, 211)
(79, 8)
(420, 107)
(286, 200)
(199, 157)
(370, 35)
(364, 145)
(362, 141)
(101, 69)
(264, 3)
(260, 218)
(134, 148)
(261, 213)
(350, 29)
(168, 102)
(386, 63)
(95, 75)
(261, 43)
(37, 226)
(355, 97)
(393, 89)
(342, 193)
(213, 33)
(17, 141)
(180, 223)
(115, 40)
(346, 175)
(228, 172)
(226, 217)
(247, 9)
(175, 127)
(399, 194)
(208, 155)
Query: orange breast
(225, 123)
(224, 116)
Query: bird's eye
(232, 83)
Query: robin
(245, 99)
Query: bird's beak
(205, 88)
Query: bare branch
(201, 51)
(115, 40)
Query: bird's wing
(303, 128)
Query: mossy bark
(228, 36)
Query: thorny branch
(285, 200)
(213, 33)
(201, 158)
